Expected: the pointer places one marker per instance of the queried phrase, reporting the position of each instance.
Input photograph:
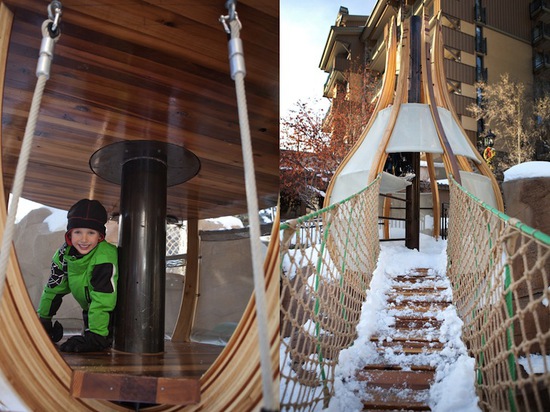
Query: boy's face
(84, 239)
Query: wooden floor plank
(180, 360)
(170, 378)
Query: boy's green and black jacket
(91, 278)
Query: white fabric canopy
(354, 176)
(480, 186)
(456, 138)
(414, 131)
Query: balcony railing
(539, 32)
(541, 61)
(481, 74)
(480, 15)
(537, 6)
(481, 45)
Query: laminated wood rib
(435, 195)
(445, 101)
(400, 98)
(449, 159)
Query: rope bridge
(499, 270)
(327, 263)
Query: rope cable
(42, 72)
(238, 73)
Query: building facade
(483, 40)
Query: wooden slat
(141, 389)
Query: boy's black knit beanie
(89, 214)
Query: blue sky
(304, 27)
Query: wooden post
(184, 324)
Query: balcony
(481, 74)
(481, 45)
(541, 61)
(480, 15)
(540, 35)
(540, 9)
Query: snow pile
(454, 380)
(535, 363)
(527, 170)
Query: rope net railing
(499, 269)
(327, 260)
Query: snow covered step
(397, 295)
(424, 290)
(385, 401)
(396, 379)
(415, 279)
(390, 388)
(408, 346)
(408, 305)
(415, 322)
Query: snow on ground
(535, 363)
(527, 170)
(454, 381)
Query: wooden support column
(184, 324)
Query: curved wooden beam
(436, 206)
(188, 307)
(386, 212)
(449, 159)
(444, 101)
(400, 98)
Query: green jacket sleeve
(103, 298)
(56, 288)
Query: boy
(86, 266)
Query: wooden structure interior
(139, 70)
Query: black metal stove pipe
(139, 319)
(412, 215)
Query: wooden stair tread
(131, 388)
(411, 291)
(389, 366)
(413, 279)
(420, 306)
(171, 377)
(416, 323)
(396, 379)
(413, 346)
(389, 401)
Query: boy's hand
(90, 342)
(54, 331)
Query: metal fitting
(46, 51)
(236, 57)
